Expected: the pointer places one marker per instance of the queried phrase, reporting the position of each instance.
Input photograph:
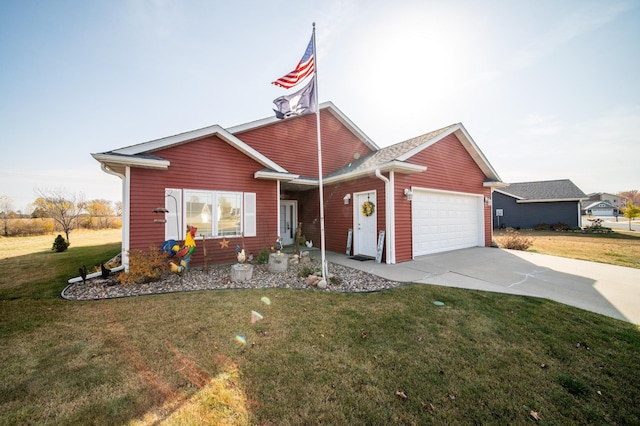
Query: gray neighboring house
(527, 204)
(603, 204)
(599, 208)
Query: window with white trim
(214, 213)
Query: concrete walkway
(609, 290)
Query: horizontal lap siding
(207, 164)
(449, 168)
(339, 217)
(293, 144)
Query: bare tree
(632, 195)
(101, 211)
(61, 206)
(118, 208)
(6, 209)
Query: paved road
(610, 222)
(605, 289)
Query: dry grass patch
(618, 248)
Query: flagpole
(320, 188)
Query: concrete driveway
(605, 289)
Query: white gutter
(389, 215)
(107, 170)
(132, 161)
(125, 216)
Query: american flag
(304, 68)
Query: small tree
(60, 244)
(631, 212)
(101, 212)
(61, 206)
(6, 209)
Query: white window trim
(173, 196)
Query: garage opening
(443, 221)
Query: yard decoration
(242, 271)
(204, 251)
(183, 253)
(368, 208)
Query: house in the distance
(528, 204)
(603, 204)
(250, 184)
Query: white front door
(288, 221)
(365, 227)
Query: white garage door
(443, 221)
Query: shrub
(559, 226)
(144, 266)
(513, 240)
(542, 227)
(305, 271)
(60, 244)
(263, 256)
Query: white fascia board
(161, 143)
(147, 163)
(274, 175)
(508, 194)
(199, 134)
(468, 143)
(350, 125)
(555, 200)
(426, 144)
(475, 152)
(307, 182)
(394, 166)
(325, 105)
(253, 125)
(495, 184)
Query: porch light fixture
(346, 198)
(487, 201)
(408, 194)
(160, 210)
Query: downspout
(107, 170)
(389, 216)
(125, 213)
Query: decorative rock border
(218, 278)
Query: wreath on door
(368, 208)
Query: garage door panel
(444, 221)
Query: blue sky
(547, 89)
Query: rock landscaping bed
(218, 277)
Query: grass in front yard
(29, 268)
(617, 248)
(315, 357)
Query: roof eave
(131, 161)
(271, 175)
(193, 135)
(392, 166)
(493, 184)
(476, 153)
(508, 194)
(329, 106)
(549, 200)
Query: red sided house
(249, 184)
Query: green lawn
(314, 358)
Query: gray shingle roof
(388, 154)
(549, 190)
